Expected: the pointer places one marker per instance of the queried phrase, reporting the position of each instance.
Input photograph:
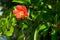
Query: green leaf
(29, 1)
(39, 28)
(22, 1)
(49, 6)
(35, 14)
(13, 21)
(35, 34)
(10, 32)
(20, 37)
(54, 34)
(18, 1)
(25, 26)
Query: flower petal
(18, 16)
(19, 7)
(15, 11)
(20, 12)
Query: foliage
(42, 22)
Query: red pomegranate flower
(20, 12)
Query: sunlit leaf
(40, 28)
(54, 34)
(25, 26)
(10, 32)
(22, 1)
(13, 21)
(49, 6)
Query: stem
(24, 38)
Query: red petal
(25, 9)
(22, 17)
(15, 11)
(26, 14)
(19, 7)
(18, 16)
